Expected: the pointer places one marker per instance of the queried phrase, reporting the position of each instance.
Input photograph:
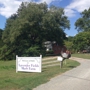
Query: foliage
(50, 53)
(83, 23)
(69, 43)
(87, 48)
(1, 42)
(1, 31)
(81, 41)
(33, 51)
(33, 24)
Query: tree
(1, 31)
(83, 23)
(69, 43)
(33, 24)
(1, 42)
(55, 22)
(81, 41)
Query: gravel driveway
(75, 79)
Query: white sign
(28, 64)
(60, 58)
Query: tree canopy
(69, 43)
(32, 25)
(1, 42)
(1, 31)
(81, 41)
(83, 23)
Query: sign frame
(29, 64)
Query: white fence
(29, 64)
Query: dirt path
(75, 79)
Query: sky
(72, 9)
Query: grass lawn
(10, 80)
(84, 55)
